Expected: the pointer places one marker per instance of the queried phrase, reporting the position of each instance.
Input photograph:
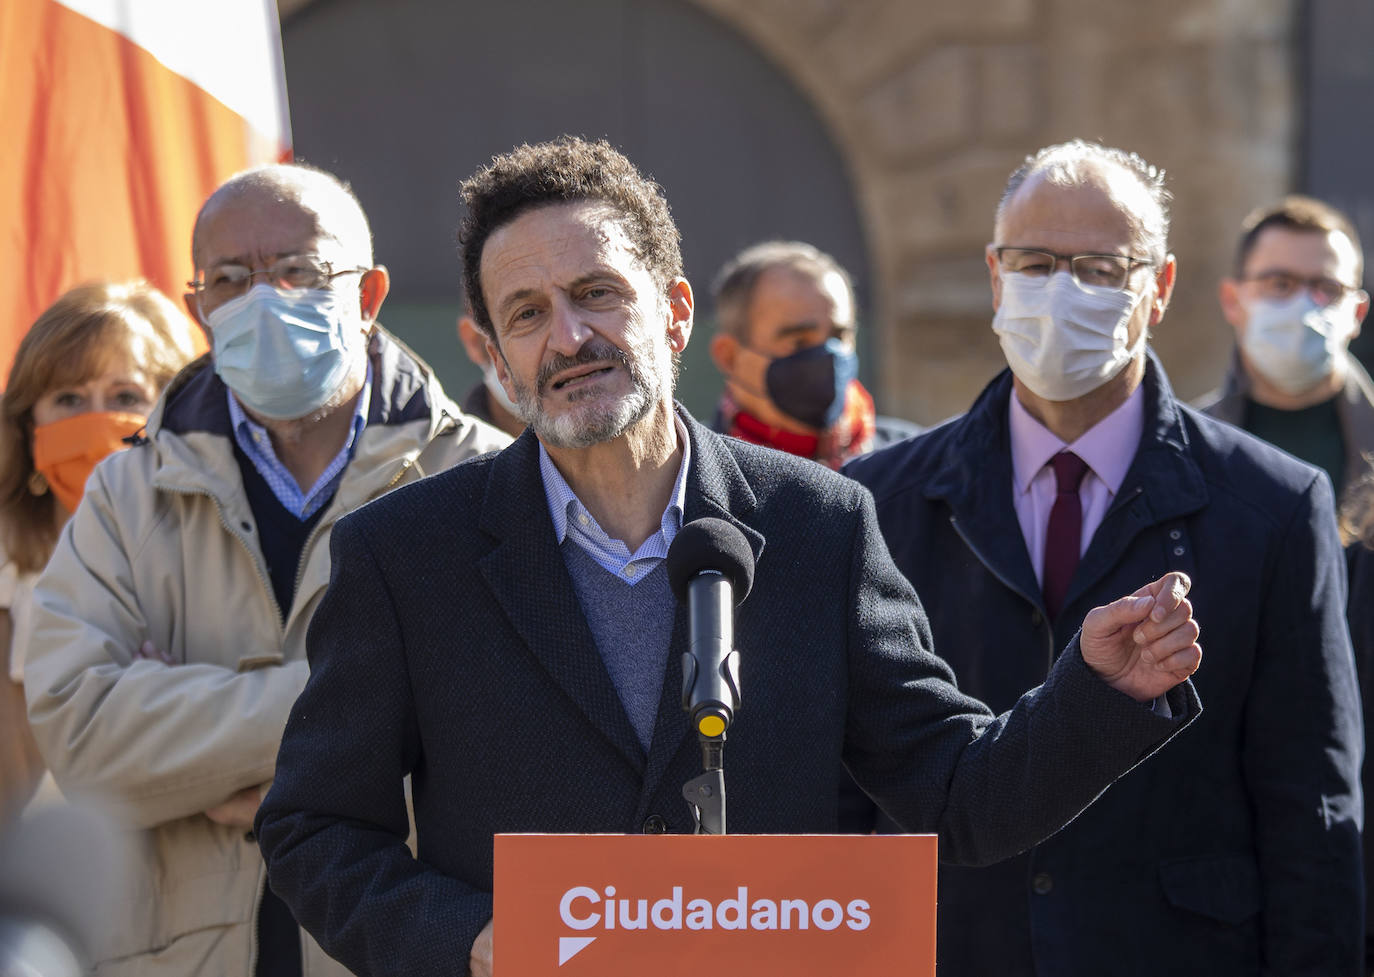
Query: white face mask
(1296, 343)
(1063, 340)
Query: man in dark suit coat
(1244, 853)
(478, 633)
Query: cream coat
(163, 548)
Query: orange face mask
(65, 451)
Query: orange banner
(110, 152)
(761, 905)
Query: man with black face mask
(785, 342)
(1078, 469)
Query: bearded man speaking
(505, 633)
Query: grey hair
(1075, 162)
(331, 201)
(734, 286)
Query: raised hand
(1144, 644)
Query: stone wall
(934, 104)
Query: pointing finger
(1169, 592)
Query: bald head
(1136, 187)
(328, 201)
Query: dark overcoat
(1236, 849)
(451, 646)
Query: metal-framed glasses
(1279, 286)
(223, 283)
(1111, 271)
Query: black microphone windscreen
(710, 544)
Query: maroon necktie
(1062, 535)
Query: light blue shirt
(256, 443)
(571, 519)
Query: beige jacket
(163, 548)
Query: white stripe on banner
(239, 62)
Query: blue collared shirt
(571, 519)
(256, 443)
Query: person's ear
(193, 311)
(1164, 289)
(474, 341)
(498, 361)
(373, 289)
(1232, 308)
(724, 348)
(680, 306)
(994, 275)
(1361, 310)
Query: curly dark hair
(566, 170)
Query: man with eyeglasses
(1236, 850)
(1295, 302)
(169, 636)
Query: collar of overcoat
(974, 479)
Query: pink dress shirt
(1108, 448)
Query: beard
(582, 425)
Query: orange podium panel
(612, 905)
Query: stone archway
(434, 88)
(932, 105)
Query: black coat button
(1043, 883)
(655, 825)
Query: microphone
(59, 869)
(711, 569)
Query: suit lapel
(975, 481)
(1162, 484)
(716, 488)
(526, 573)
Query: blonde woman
(84, 378)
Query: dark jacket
(1360, 616)
(452, 646)
(1236, 850)
(1354, 408)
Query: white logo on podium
(571, 946)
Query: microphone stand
(706, 791)
(711, 695)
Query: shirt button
(1042, 883)
(655, 825)
(629, 571)
(582, 518)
